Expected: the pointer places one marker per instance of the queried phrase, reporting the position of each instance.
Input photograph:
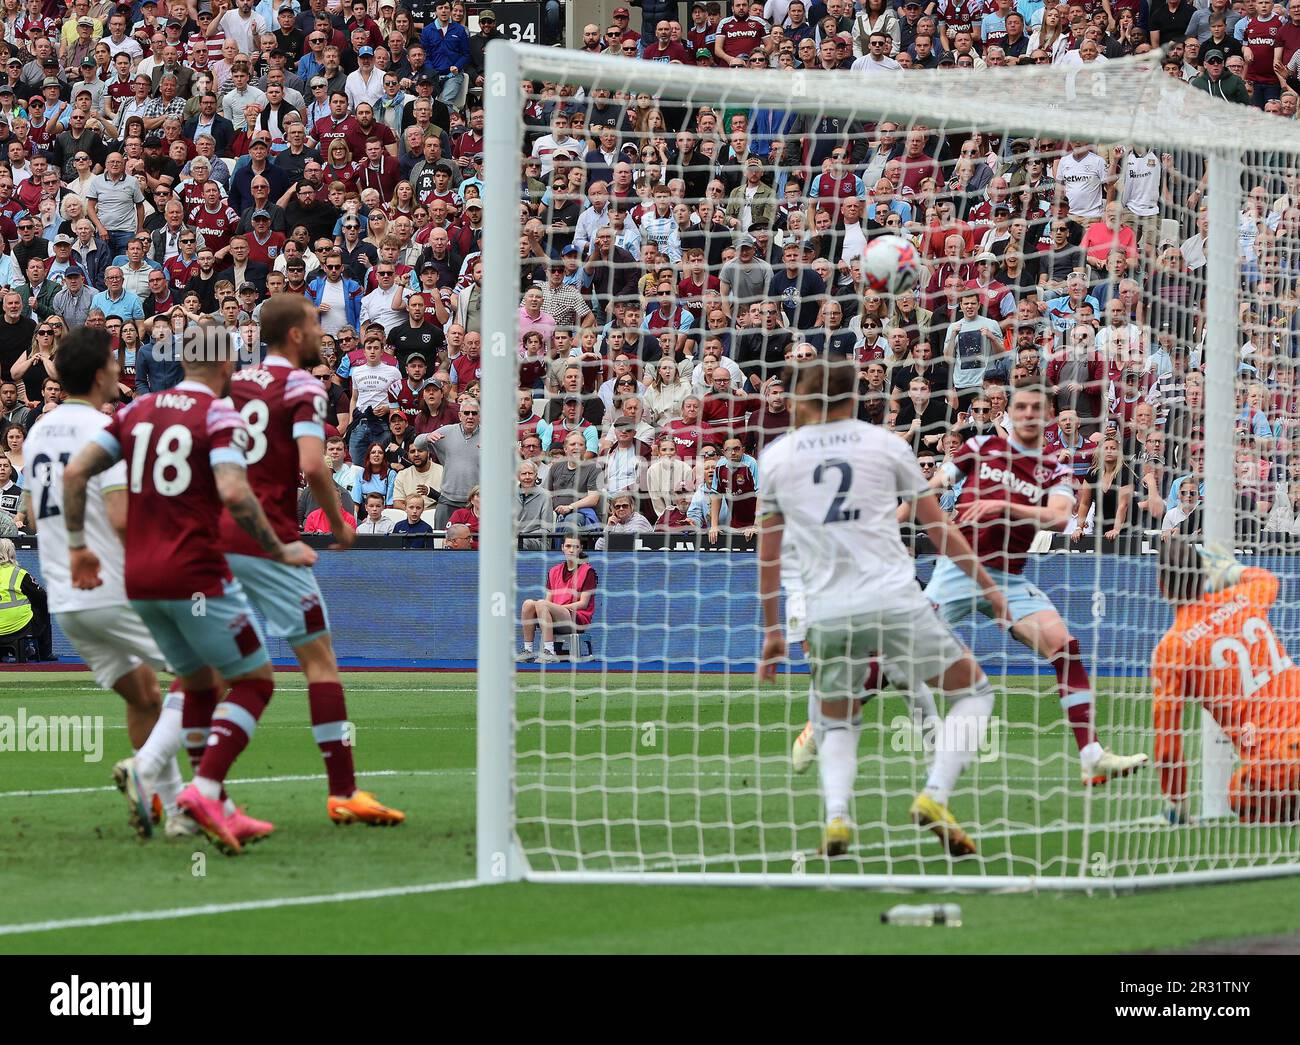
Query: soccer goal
(1135, 244)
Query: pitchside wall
(699, 611)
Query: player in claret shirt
(185, 452)
(1011, 491)
(285, 410)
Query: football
(890, 265)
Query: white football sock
(838, 762)
(208, 788)
(958, 737)
(528, 647)
(164, 740)
(549, 647)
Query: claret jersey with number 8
(279, 403)
(171, 441)
(838, 485)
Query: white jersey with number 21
(838, 485)
(54, 440)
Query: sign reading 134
(519, 23)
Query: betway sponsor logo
(1006, 477)
(75, 998)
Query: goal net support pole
(1223, 183)
(498, 858)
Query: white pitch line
(230, 908)
(244, 780)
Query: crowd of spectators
(171, 164)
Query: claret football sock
(1076, 692)
(329, 727)
(233, 723)
(196, 722)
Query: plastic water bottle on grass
(948, 914)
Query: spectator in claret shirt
(468, 516)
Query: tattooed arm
(82, 562)
(244, 508)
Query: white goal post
(1129, 101)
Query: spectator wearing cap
(446, 49)
(487, 32)
(62, 258)
(85, 32)
(366, 83)
(258, 166)
(745, 278)
(1217, 82)
(90, 84)
(753, 201)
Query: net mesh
(687, 235)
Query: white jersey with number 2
(54, 440)
(838, 485)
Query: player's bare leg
(804, 751)
(230, 726)
(331, 730)
(548, 615)
(528, 619)
(957, 739)
(1046, 633)
(839, 724)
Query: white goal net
(667, 245)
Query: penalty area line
(231, 908)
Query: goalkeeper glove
(1221, 569)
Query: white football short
(112, 640)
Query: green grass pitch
(673, 785)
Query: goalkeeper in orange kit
(1222, 652)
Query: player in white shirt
(836, 483)
(920, 700)
(106, 631)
